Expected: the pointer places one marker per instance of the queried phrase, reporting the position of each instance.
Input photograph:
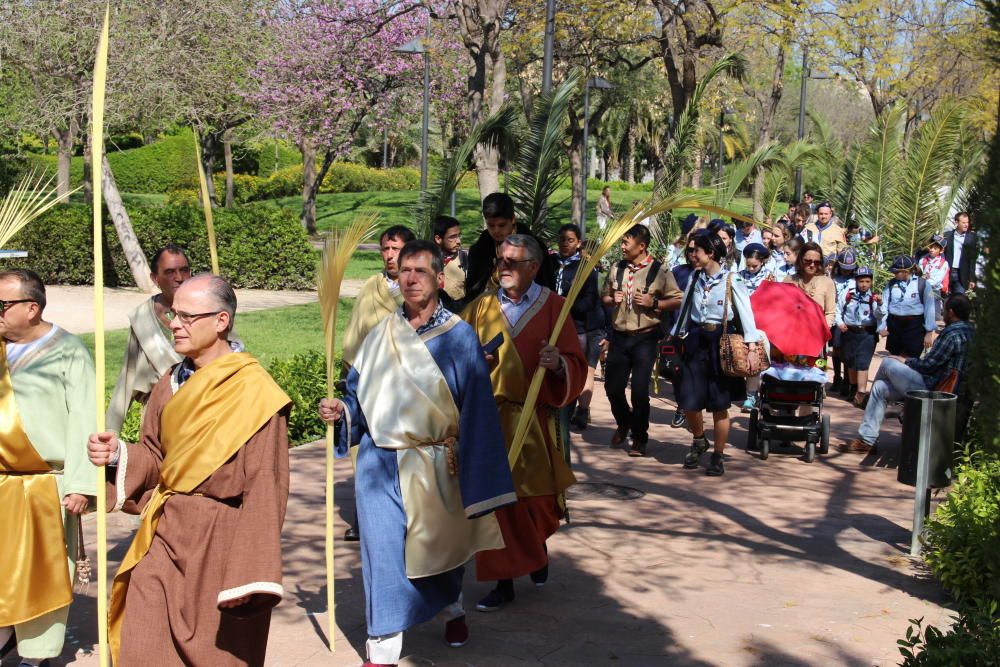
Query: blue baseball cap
(688, 223)
(902, 263)
(863, 272)
(751, 248)
(847, 260)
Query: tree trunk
(628, 156)
(308, 186)
(209, 143)
(65, 139)
(88, 168)
(576, 177)
(768, 107)
(126, 235)
(227, 147)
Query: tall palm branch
(495, 132)
(737, 173)
(677, 156)
(877, 171)
(830, 157)
(914, 213)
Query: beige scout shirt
(454, 279)
(628, 317)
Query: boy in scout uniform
(859, 311)
(909, 321)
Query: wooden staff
(336, 254)
(97, 152)
(206, 204)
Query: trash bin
(942, 437)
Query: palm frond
(31, 197)
(915, 213)
(968, 168)
(830, 155)
(877, 171)
(845, 196)
(775, 186)
(738, 172)
(495, 132)
(677, 156)
(540, 165)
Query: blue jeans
(892, 381)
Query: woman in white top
(702, 386)
(604, 212)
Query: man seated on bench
(899, 375)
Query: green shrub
(973, 641)
(259, 246)
(286, 182)
(303, 378)
(962, 545)
(166, 165)
(246, 188)
(268, 163)
(348, 177)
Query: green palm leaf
(845, 195)
(914, 214)
(876, 172)
(775, 186)
(540, 165)
(738, 172)
(677, 156)
(495, 132)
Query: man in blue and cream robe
(432, 466)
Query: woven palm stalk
(206, 204)
(611, 236)
(336, 254)
(97, 153)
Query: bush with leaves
(973, 641)
(260, 246)
(962, 543)
(303, 378)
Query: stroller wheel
(810, 452)
(764, 449)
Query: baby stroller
(790, 402)
(775, 421)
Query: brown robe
(223, 541)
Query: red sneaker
(456, 632)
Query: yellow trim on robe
(374, 303)
(33, 549)
(203, 425)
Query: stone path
(72, 307)
(780, 562)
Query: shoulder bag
(739, 359)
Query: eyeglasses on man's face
(188, 319)
(5, 305)
(509, 263)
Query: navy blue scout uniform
(909, 311)
(861, 314)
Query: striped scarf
(630, 279)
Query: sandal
(860, 400)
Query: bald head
(209, 293)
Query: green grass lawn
(267, 334)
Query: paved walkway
(780, 562)
(72, 307)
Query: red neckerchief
(630, 278)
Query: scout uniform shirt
(858, 309)
(629, 317)
(903, 299)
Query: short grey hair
(32, 287)
(223, 293)
(532, 250)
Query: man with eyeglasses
(149, 352)
(209, 478)
(430, 474)
(522, 314)
(46, 482)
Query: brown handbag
(739, 359)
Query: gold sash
(395, 362)
(536, 472)
(202, 426)
(33, 559)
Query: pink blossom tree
(332, 68)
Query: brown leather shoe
(860, 400)
(856, 446)
(621, 433)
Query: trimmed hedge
(169, 164)
(341, 177)
(303, 378)
(259, 246)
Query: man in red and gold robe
(525, 314)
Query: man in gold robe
(380, 294)
(150, 349)
(210, 478)
(46, 413)
(525, 313)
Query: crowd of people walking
(438, 357)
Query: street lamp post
(802, 117)
(550, 32)
(416, 46)
(600, 84)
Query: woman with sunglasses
(810, 276)
(702, 385)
